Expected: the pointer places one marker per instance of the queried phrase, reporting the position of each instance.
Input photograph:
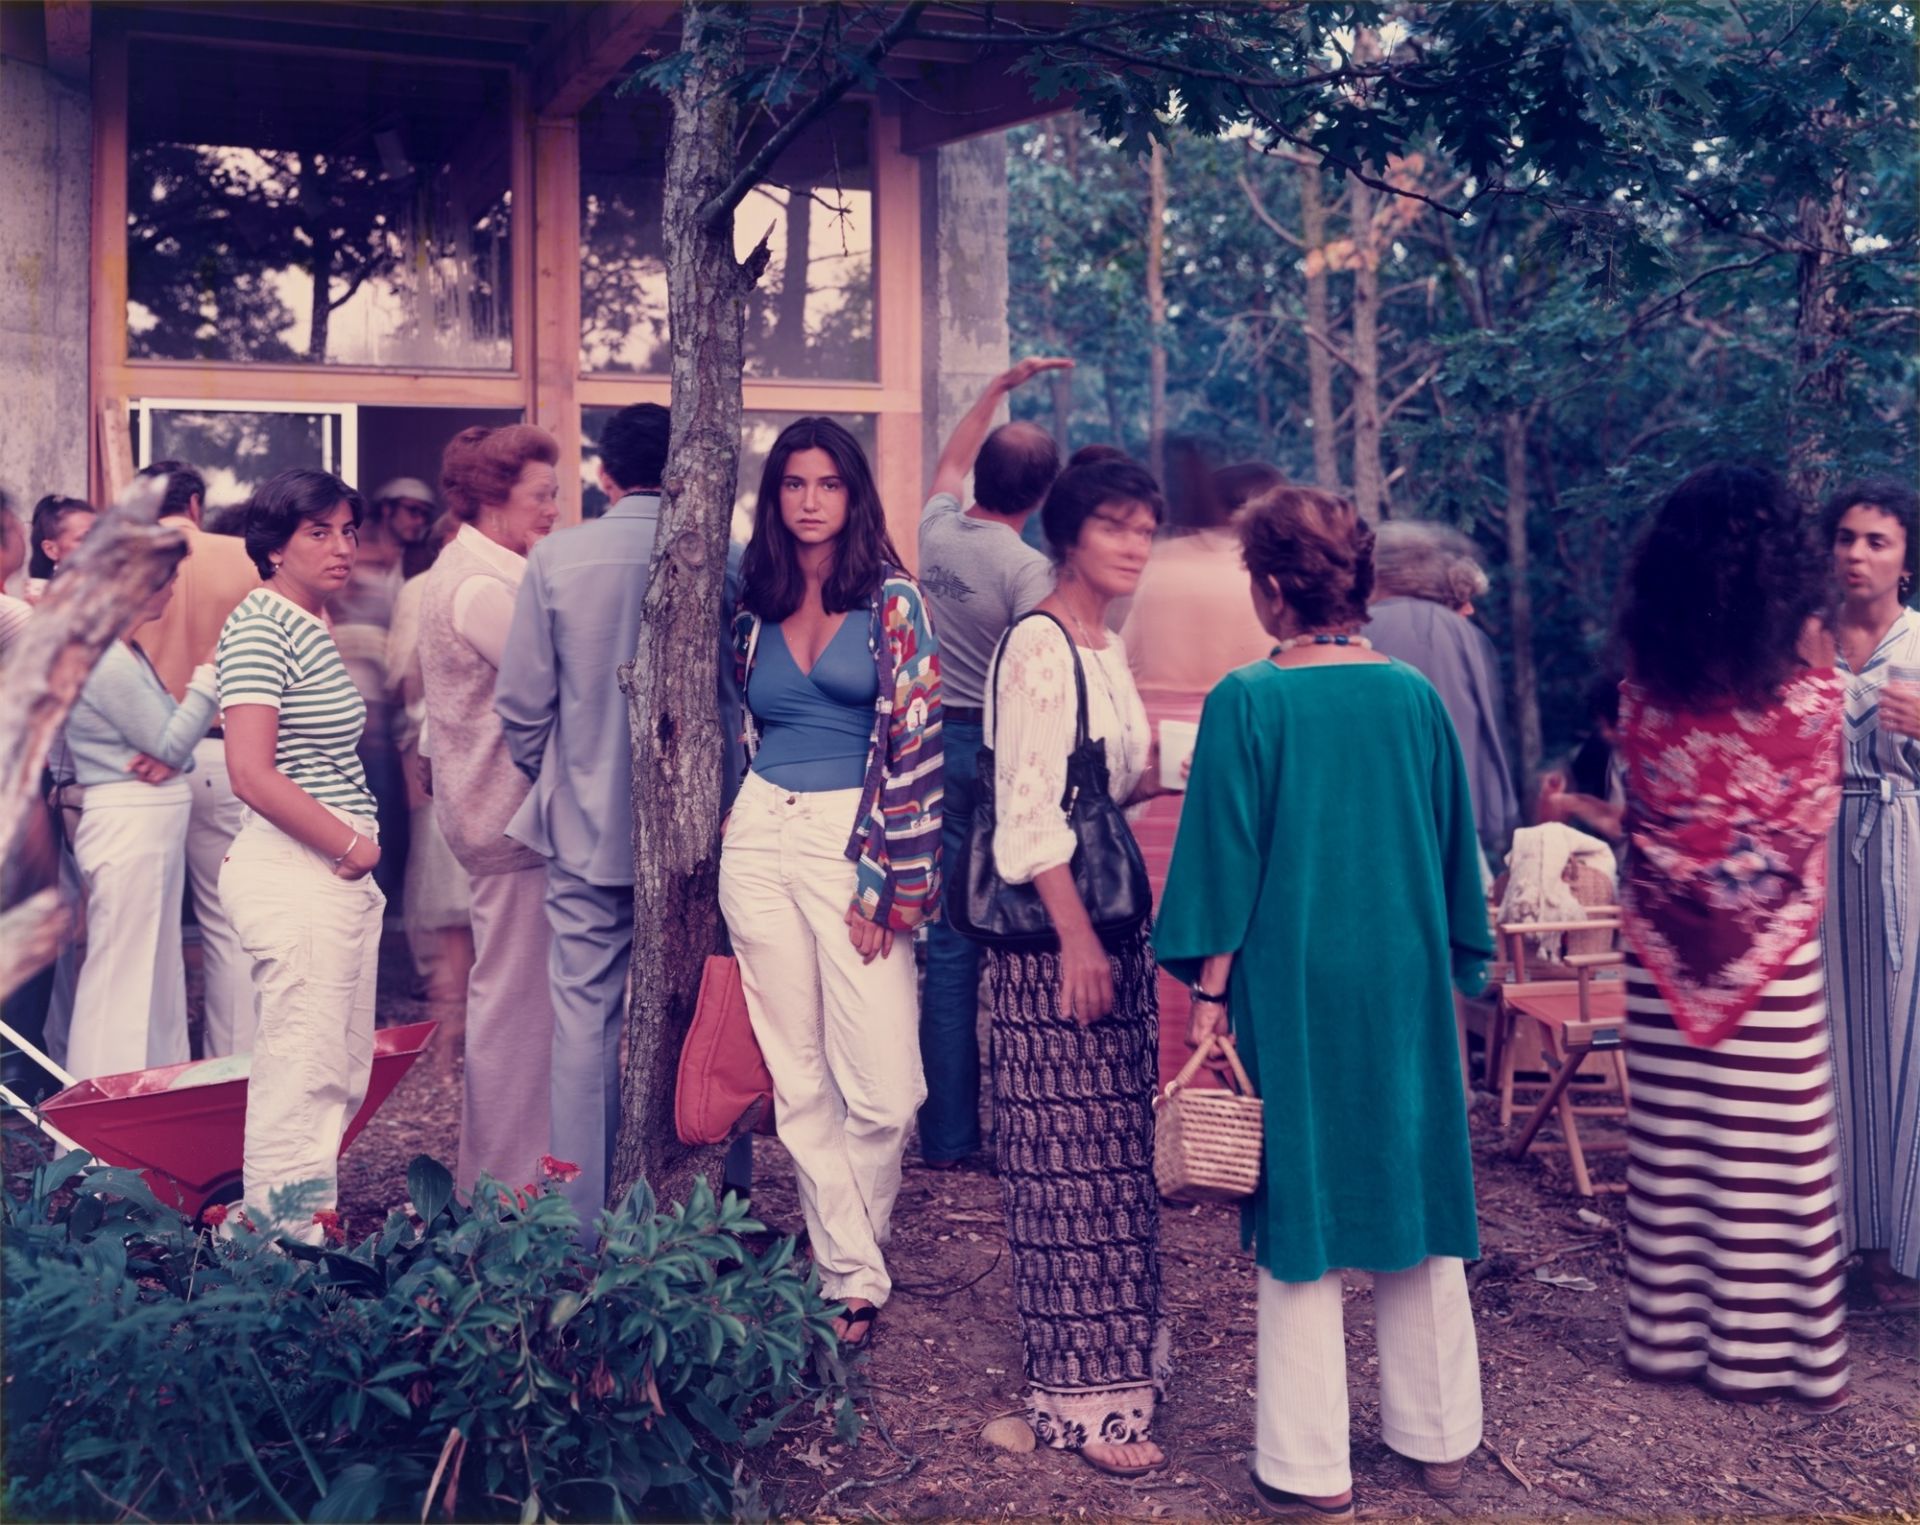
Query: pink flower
(215, 1215)
(562, 1171)
(329, 1220)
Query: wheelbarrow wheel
(222, 1193)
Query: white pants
(1429, 1374)
(315, 945)
(841, 1038)
(506, 1107)
(130, 1007)
(216, 820)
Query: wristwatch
(1207, 996)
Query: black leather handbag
(1107, 868)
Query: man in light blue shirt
(575, 622)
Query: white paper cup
(1176, 746)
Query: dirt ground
(1569, 1435)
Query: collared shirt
(483, 606)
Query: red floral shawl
(1727, 820)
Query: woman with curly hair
(1729, 729)
(1324, 901)
(1872, 940)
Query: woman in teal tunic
(1324, 897)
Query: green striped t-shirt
(273, 652)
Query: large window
(810, 318)
(289, 207)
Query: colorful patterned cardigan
(896, 834)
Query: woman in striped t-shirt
(295, 882)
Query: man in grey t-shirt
(977, 576)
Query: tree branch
(720, 206)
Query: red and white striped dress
(1734, 1252)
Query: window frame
(546, 381)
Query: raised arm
(971, 432)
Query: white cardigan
(1030, 721)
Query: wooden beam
(70, 38)
(591, 45)
(948, 104)
(556, 297)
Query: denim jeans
(949, 1041)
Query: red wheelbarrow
(182, 1126)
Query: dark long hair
(1720, 588)
(49, 515)
(772, 584)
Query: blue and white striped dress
(1872, 942)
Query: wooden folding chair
(1554, 1020)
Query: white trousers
(130, 1007)
(315, 945)
(506, 1107)
(1429, 1374)
(841, 1038)
(228, 973)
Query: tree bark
(1819, 323)
(1313, 228)
(1369, 477)
(117, 567)
(1157, 312)
(1526, 678)
(677, 737)
(790, 324)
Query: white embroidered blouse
(1030, 723)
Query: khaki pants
(841, 1038)
(315, 945)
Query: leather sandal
(1279, 1504)
(1147, 1470)
(867, 1319)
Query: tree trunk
(1313, 228)
(118, 567)
(676, 735)
(1526, 679)
(319, 227)
(1157, 312)
(1369, 477)
(1819, 324)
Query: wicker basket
(1207, 1143)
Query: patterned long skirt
(1073, 1113)
(1734, 1261)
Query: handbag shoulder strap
(1079, 678)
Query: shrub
(478, 1363)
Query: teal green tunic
(1327, 839)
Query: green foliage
(478, 1363)
(1617, 256)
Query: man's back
(577, 620)
(216, 574)
(977, 577)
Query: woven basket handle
(1205, 1052)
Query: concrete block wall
(45, 281)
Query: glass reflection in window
(299, 207)
(812, 313)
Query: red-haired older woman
(1324, 893)
(501, 484)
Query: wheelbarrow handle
(37, 1057)
(14, 1099)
